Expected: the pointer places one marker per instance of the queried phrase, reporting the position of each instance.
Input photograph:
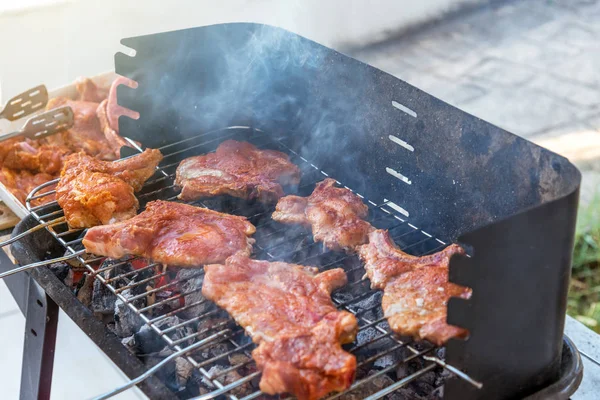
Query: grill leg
(40, 340)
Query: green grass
(584, 294)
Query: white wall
(58, 42)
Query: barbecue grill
(430, 173)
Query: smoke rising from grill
(252, 81)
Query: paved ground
(529, 66)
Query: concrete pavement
(531, 67)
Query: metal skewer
(158, 366)
(41, 264)
(31, 230)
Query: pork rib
(174, 234)
(416, 290)
(89, 91)
(288, 312)
(336, 215)
(238, 169)
(93, 192)
(85, 134)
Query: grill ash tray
(571, 374)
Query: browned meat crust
(174, 234)
(237, 169)
(336, 215)
(416, 290)
(288, 312)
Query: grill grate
(217, 339)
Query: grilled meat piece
(415, 304)
(93, 192)
(22, 182)
(85, 134)
(416, 290)
(33, 157)
(335, 215)
(384, 261)
(237, 169)
(288, 312)
(94, 198)
(134, 170)
(174, 234)
(28, 163)
(89, 91)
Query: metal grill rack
(216, 339)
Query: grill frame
(421, 352)
(534, 226)
(466, 180)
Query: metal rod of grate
(224, 331)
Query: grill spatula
(45, 124)
(25, 103)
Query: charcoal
(216, 350)
(84, 293)
(422, 388)
(343, 297)
(185, 274)
(209, 326)
(60, 269)
(367, 389)
(162, 296)
(438, 393)
(183, 370)
(247, 366)
(226, 379)
(191, 282)
(366, 335)
(194, 385)
(127, 322)
(429, 378)
(371, 301)
(202, 391)
(180, 332)
(238, 358)
(167, 373)
(243, 339)
(129, 343)
(441, 353)
(385, 361)
(141, 288)
(120, 267)
(406, 369)
(69, 279)
(165, 352)
(220, 348)
(148, 341)
(442, 376)
(103, 300)
(405, 393)
(381, 382)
